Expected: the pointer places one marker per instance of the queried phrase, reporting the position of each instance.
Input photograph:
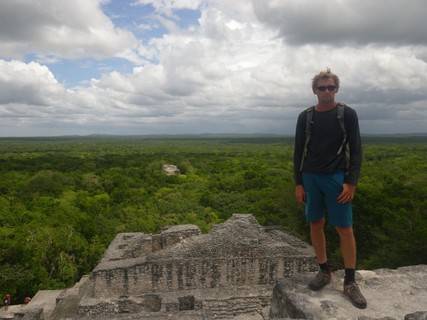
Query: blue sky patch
(72, 73)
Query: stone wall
(238, 252)
(163, 276)
(132, 245)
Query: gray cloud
(22, 20)
(359, 22)
(396, 96)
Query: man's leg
(318, 240)
(348, 246)
(341, 216)
(314, 212)
(323, 277)
(348, 251)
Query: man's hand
(300, 194)
(347, 193)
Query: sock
(349, 276)
(325, 267)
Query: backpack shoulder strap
(340, 117)
(308, 122)
(344, 144)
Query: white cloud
(30, 84)
(230, 73)
(350, 21)
(65, 29)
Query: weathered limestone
(419, 315)
(391, 295)
(7, 313)
(229, 273)
(41, 307)
(136, 244)
(67, 302)
(180, 273)
(186, 270)
(236, 253)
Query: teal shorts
(322, 191)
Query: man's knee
(318, 225)
(345, 231)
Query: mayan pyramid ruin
(184, 274)
(239, 270)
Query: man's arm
(355, 145)
(298, 150)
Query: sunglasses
(329, 88)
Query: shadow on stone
(152, 303)
(186, 303)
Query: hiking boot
(320, 280)
(356, 297)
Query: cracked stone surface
(391, 294)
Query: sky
(207, 66)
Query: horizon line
(225, 135)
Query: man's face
(325, 91)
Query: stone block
(186, 303)
(156, 242)
(171, 307)
(419, 315)
(152, 303)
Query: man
(7, 300)
(327, 159)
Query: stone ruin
(183, 274)
(239, 270)
(229, 271)
(171, 169)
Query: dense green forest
(62, 200)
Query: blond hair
(326, 74)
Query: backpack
(308, 123)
